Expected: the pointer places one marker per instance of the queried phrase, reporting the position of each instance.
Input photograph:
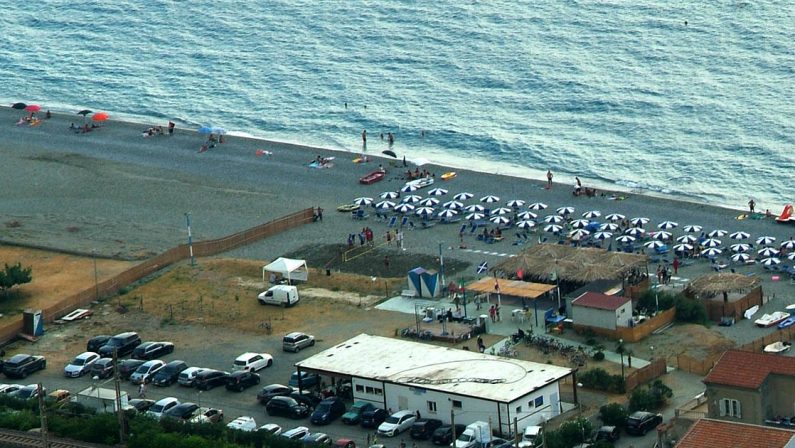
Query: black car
(609, 433)
(22, 365)
(28, 392)
(327, 411)
(241, 379)
(96, 342)
(641, 422)
(423, 428)
(208, 379)
(182, 411)
(128, 367)
(444, 434)
(152, 350)
(273, 390)
(169, 373)
(311, 399)
(286, 407)
(102, 368)
(141, 404)
(123, 344)
(374, 418)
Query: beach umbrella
(500, 220)
(772, 261)
(429, 202)
(363, 201)
(84, 112)
(580, 223)
(453, 205)
(565, 210)
(475, 208)
(592, 214)
(19, 106)
(32, 108)
(687, 239)
(579, 234)
(554, 219)
(791, 256)
(717, 233)
(525, 224)
(474, 216)
(740, 247)
(609, 227)
(537, 206)
(635, 231)
(490, 199)
(683, 247)
(404, 208)
(653, 244)
(766, 240)
(740, 235)
(384, 205)
(463, 196)
(788, 245)
(205, 130)
(639, 221)
(553, 228)
(603, 235)
(501, 211)
(625, 239)
(408, 188)
(218, 130)
(424, 211)
(389, 195)
(711, 242)
(100, 116)
(740, 258)
(667, 225)
(437, 192)
(692, 228)
(411, 199)
(767, 252)
(390, 153)
(515, 203)
(662, 235)
(526, 215)
(447, 213)
(711, 252)
(615, 217)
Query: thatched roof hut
(713, 284)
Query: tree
(14, 275)
(569, 434)
(654, 396)
(613, 414)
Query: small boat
(373, 177)
(786, 323)
(777, 347)
(448, 175)
(768, 320)
(421, 182)
(347, 208)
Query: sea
(689, 99)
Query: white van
(284, 295)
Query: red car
(373, 177)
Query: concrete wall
(528, 413)
(594, 317)
(368, 390)
(750, 403)
(778, 397)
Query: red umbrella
(100, 116)
(33, 108)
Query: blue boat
(786, 323)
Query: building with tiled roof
(708, 433)
(594, 309)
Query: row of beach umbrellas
(98, 116)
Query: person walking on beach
(400, 239)
(493, 314)
(676, 266)
(549, 179)
(751, 205)
(364, 137)
(171, 126)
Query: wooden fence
(200, 249)
(632, 334)
(700, 366)
(655, 369)
(758, 345)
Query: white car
(297, 433)
(145, 372)
(161, 406)
(187, 376)
(397, 423)
(253, 361)
(272, 428)
(243, 424)
(80, 365)
(8, 388)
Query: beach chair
(462, 229)
(426, 224)
(404, 221)
(392, 221)
(473, 228)
(411, 225)
(360, 215)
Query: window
(432, 406)
(378, 391)
(457, 404)
(530, 404)
(359, 388)
(540, 401)
(518, 409)
(731, 408)
(369, 390)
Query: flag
(482, 267)
(520, 274)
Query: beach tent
(288, 268)
(424, 283)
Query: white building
(438, 381)
(599, 310)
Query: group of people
(663, 275)
(212, 140)
(365, 237)
(390, 138)
(417, 174)
(158, 130)
(82, 129)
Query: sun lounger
(360, 214)
(462, 229)
(392, 221)
(404, 221)
(425, 224)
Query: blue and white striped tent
(424, 283)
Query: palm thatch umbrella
(722, 282)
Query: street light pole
(621, 352)
(190, 240)
(96, 277)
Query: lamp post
(620, 351)
(96, 277)
(190, 240)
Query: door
(554, 403)
(403, 402)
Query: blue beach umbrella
(639, 221)
(687, 239)
(580, 223)
(501, 211)
(437, 192)
(404, 208)
(526, 224)
(788, 245)
(565, 210)
(766, 240)
(625, 239)
(635, 231)
(475, 208)
(526, 215)
(553, 228)
(553, 219)
(717, 233)
(767, 252)
(205, 130)
(411, 199)
(453, 205)
(490, 199)
(425, 211)
(711, 252)
(474, 216)
(537, 206)
(740, 236)
(683, 247)
(609, 227)
(363, 201)
(515, 203)
(592, 214)
(463, 196)
(667, 225)
(711, 242)
(447, 213)
(771, 261)
(603, 235)
(653, 244)
(384, 205)
(662, 235)
(389, 195)
(615, 217)
(740, 258)
(691, 228)
(740, 247)
(500, 220)
(429, 202)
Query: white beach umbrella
(609, 226)
(474, 216)
(411, 199)
(500, 220)
(791, 256)
(635, 231)
(389, 195)
(625, 239)
(766, 240)
(437, 192)
(653, 244)
(384, 205)
(615, 217)
(537, 206)
(788, 245)
(690, 228)
(683, 247)
(662, 235)
(429, 202)
(447, 213)
(688, 239)
(772, 261)
(566, 210)
(592, 214)
(767, 252)
(526, 215)
(639, 221)
(490, 199)
(453, 205)
(579, 234)
(363, 201)
(711, 252)
(740, 258)
(667, 225)
(408, 188)
(711, 242)
(404, 208)
(553, 228)
(526, 224)
(424, 211)
(717, 233)
(603, 235)
(515, 203)
(740, 236)
(475, 208)
(740, 247)
(554, 219)
(463, 196)
(501, 211)
(580, 223)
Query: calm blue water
(612, 91)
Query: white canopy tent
(288, 268)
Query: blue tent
(424, 283)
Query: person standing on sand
(549, 179)
(676, 266)
(751, 205)
(364, 137)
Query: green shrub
(650, 397)
(613, 414)
(569, 434)
(690, 310)
(598, 356)
(599, 379)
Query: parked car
(273, 390)
(182, 411)
(59, 396)
(208, 415)
(344, 443)
(28, 392)
(609, 433)
(532, 436)
(397, 423)
(140, 404)
(309, 398)
(8, 388)
(144, 373)
(354, 414)
(307, 379)
(128, 366)
(80, 365)
(102, 368)
(327, 411)
(96, 342)
(152, 350)
(372, 419)
(444, 434)
(316, 438)
(161, 407)
(641, 422)
(169, 374)
(296, 341)
(271, 428)
(22, 365)
(241, 379)
(423, 428)
(188, 376)
(244, 423)
(253, 361)
(208, 379)
(296, 433)
(122, 343)
(286, 407)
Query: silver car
(146, 371)
(80, 365)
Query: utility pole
(43, 415)
(190, 241)
(452, 426)
(119, 410)
(516, 431)
(96, 277)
